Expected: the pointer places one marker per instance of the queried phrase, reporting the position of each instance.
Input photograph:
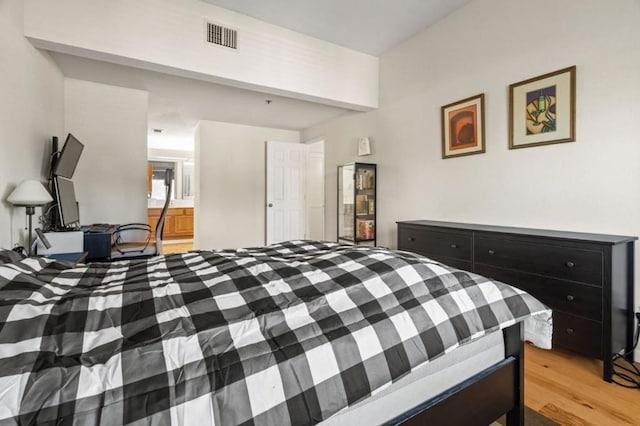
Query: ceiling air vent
(222, 36)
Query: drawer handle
(411, 239)
(492, 252)
(569, 330)
(570, 298)
(570, 264)
(453, 246)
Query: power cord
(46, 219)
(52, 158)
(630, 374)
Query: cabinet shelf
(357, 203)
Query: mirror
(187, 180)
(158, 170)
(183, 180)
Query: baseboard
(186, 241)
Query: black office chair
(133, 240)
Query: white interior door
(286, 179)
(315, 191)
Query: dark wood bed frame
(481, 399)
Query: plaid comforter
(287, 334)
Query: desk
(98, 242)
(76, 258)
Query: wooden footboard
(481, 399)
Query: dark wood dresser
(587, 279)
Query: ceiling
(176, 104)
(369, 26)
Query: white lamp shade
(30, 193)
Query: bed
(299, 332)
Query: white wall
(155, 153)
(170, 142)
(31, 112)
(231, 180)
(315, 193)
(168, 36)
(590, 185)
(111, 122)
(197, 164)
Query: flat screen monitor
(67, 161)
(66, 200)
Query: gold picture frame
(463, 127)
(542, 110)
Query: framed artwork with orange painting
(463, 127)
(542, 110)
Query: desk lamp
(29, 194)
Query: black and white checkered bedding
(287, 334)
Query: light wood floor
(168, 248)
(569, 389)
(561, 385)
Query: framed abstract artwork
(542, 110)
(463, 127)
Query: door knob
(270, 205)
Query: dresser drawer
(455, 263)
(577, 334)
(435, 244)
(587, 279)
(567, 296)
(556, 261)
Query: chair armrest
(137, 226)
(125, 234)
